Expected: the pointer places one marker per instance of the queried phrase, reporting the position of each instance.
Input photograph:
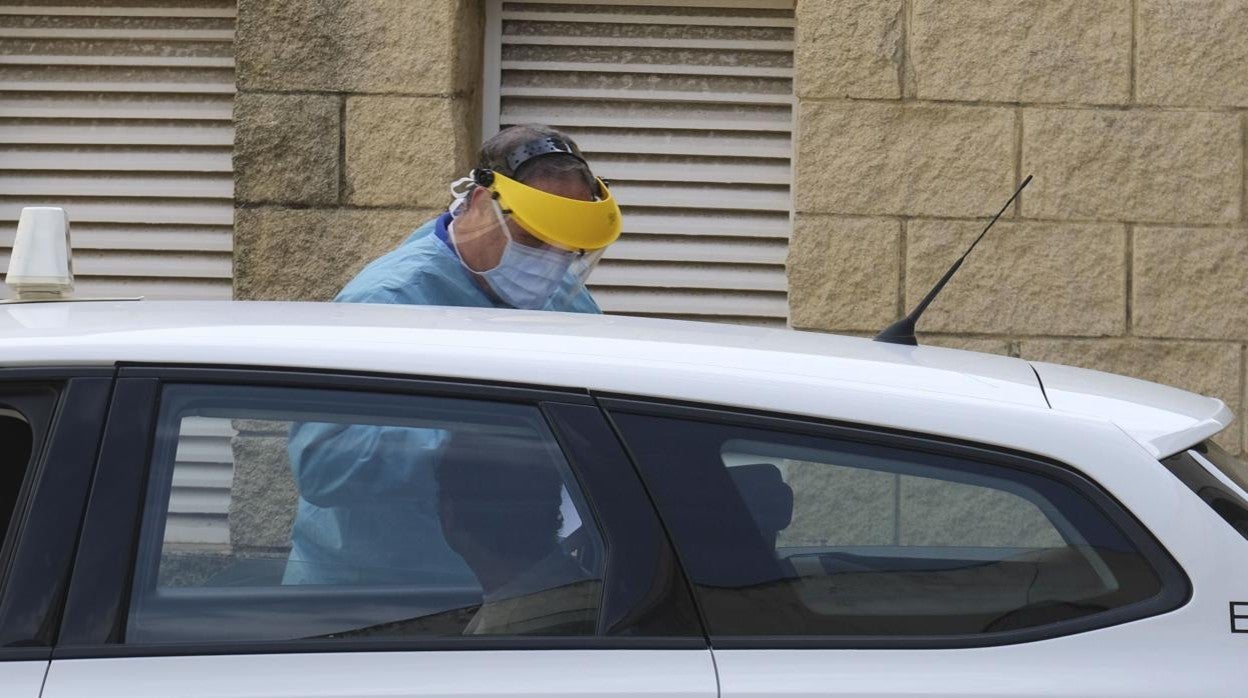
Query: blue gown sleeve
(338, 465)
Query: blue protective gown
(368, 499)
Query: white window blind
(688, 109)
(203, 480)
(120, 110)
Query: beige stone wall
(351, 119)
(1128, 252)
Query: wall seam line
(970, 218)
(457, 94)
(1004, 336)
(1243, 163)
(342, 150)
(904, 232)
(1018, 160)
(1133, 96)
(905, 72)
(1010, 337)
(1130, 280)
(1058, 106)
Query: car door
(832, 560)
(50, 424)
(260, 533)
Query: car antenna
(902, 331)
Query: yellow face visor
(572, 224)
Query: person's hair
(557, 166)
(505, 491)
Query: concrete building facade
(1127, 253)
(911, 122)
(915, 119)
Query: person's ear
(479, 196)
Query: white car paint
(1164, 420)
(480, 674)
(546, 348)
(1110, 428)
(778, 370)
(1189, 652)
(22, 679)
(1221, 477)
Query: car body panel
(558, 349)
(483, 674)
(677, 360)
(1220, 476)
(40, 560)
(784, 371)
(1104, 665)
(1107, 428)
(975, 397)
(22, 679)
(1164, 420)
(1188, 652)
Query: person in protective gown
(524, 231)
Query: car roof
(613, 354)
(559, 349)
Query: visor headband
(538, 148)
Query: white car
(250, 499)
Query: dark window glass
(786, 534)
(25, 419)
(49, 431)
(1190, 467)
(15, 459)
(1234, 469)
(283, 514)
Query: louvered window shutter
(121, 112)
(687, 107)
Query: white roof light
(40, 267)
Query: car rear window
(1232, 467)
(1195, 468)
(806, 533)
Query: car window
(1195, 468)
(15, 434)
(25, 419)
(839, 502)
(788, 534)
(283, 514)
(1232, 467)
(50, 430)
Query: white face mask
(527, 277)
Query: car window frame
(1175, 585)
(97, 607)
(40, 545)
(1205, 481)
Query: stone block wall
(1129, 250)
(351, 119)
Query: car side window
(293, 514)
(791, 534)
(25, 416)
(18, 439)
